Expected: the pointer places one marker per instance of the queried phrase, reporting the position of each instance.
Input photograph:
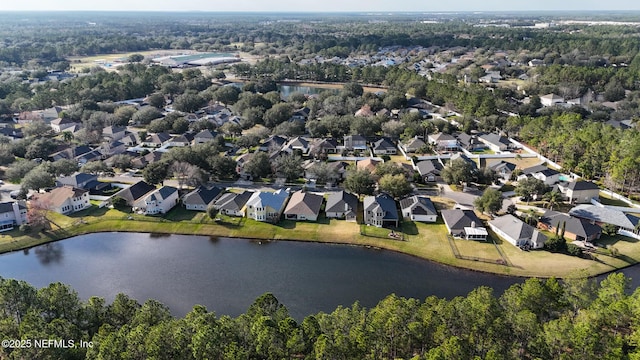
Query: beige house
(64, 200)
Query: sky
(319, 5)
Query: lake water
(226, 275)
(287, 90)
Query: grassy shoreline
(425, 241)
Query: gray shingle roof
(304, 203)
(337, 200)
(573, 225)
(515, 228)
(457, 219)
(233, 201)
(424, 205)
(582, 185)
(202, 196)
(605, 215)
(135, 191)
(386, 203)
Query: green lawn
(428, 241)
(607, 200)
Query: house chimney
(473, 224)
(346, 206)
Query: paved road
(5, 189)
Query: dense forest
(538, 319)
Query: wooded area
(546, 319)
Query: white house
(418, 208)
(551, 99)
(267, 206)
(63, 200)
(517, 232)
(12, 214)
(159, 201)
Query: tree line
(536, 319)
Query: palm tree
(553, 198)
(532, 217)
(67, 136)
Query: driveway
(464, 198)
(5, 189)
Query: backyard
(427, 241)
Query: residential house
(414, 145)
(142, 161)
(460, 156)
(156, 140)
(64, 200)
(108, 149)
(443, 142)
(355, 142)
(469, 142)
(368, 164)
(418, 208)
(429, 170)
(267, 206)
(517, 232)
(496, 142)
(297, 144)
(580, 191)
(135, 192)
(492, 77)
(181, 140)
(574, 228)
(301, 114)
(342, 205)
(303, 206)
(158, 201)
(273, 142)
(503, 169)
(93, 155)
(232, 204)
(365, 111)
(627, 224)
(70, 153)
(542, 173)
(114, 132)
(12, 214)
(61, 124)
(339, 170)
(384, 146)
(83, 181)
(324, 146)
(464, 224)
(380, 211)
(201, 198)
(129, 139)
(551, 99)
(11, 132)
(204, 136)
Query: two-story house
(12, 214)
(380, 211)
(443, 142)
(63, 200)
(158, 201)
(267, 206)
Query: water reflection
(49, 253)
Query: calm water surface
(226, 275)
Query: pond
(226, 275)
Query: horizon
(328, 6)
